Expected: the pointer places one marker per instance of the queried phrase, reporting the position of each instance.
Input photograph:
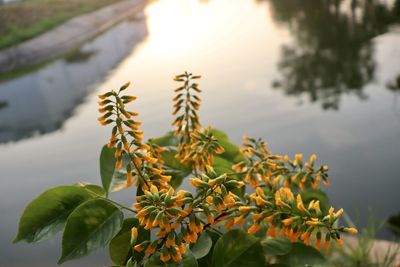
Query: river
(307, 77)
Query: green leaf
(113, 179)
(207, 260)
(237, 248)
(232, 152)
(89, 227)
(220, 135)
(173, 167)
(203, 245)
(155, 261)
(94, 190)
(276, 246)
(302, 255)
(46, 214)
(188, 260)
(107, 166)
(316, 194)
(169, 139)
(221, 166)
(120, 249)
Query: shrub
(240, 196)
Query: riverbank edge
(379, 249)
(67, 36)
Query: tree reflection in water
(333, 52)
(394, 85)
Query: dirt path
(67, 36)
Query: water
(304, 77)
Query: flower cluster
(141, 161)
(261, 166)
(203, 148)
(162, 209)
(174, 214)
(274, 205)
(186, 105)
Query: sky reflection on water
(304, 81)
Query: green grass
(21, 21)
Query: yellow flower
(229, 223)
(300, 204)
(139, 248)
(306, 237)
(130, 98)
(317, 243)
(287, 221)
(153, 189)
(313, 158)
(313, 222)
(315, 206)
(260, 201)
(276, 180)
(269, 218)
(134, 232)
(165, 257)
(245, 209)
(298, 157)
(148, 157)
(219, 150)
(196, 182)
(339, 213)
(254, 228)
(256, 216)
(118, 164)
(210, 218)
(339, 242)
(351, 230)
(170, 242)
(129, 179)
(104, 96)
(247, 138)
(271, 231)
(238, 220)
(118, 153)
(260, 191)
(212, 182)
(177, 257)
(141, 214)
(150, 250)
(182, 248)
(240, 184)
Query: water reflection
(393, 224)
(333, 52)
(236, 46)
(394, 85)
(41, 101)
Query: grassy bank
(21, 21)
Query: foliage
(358, 252)
(24, 20)
(238, 194)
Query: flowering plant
(248, 206)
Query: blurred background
(307, 76)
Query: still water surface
(306, 76)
